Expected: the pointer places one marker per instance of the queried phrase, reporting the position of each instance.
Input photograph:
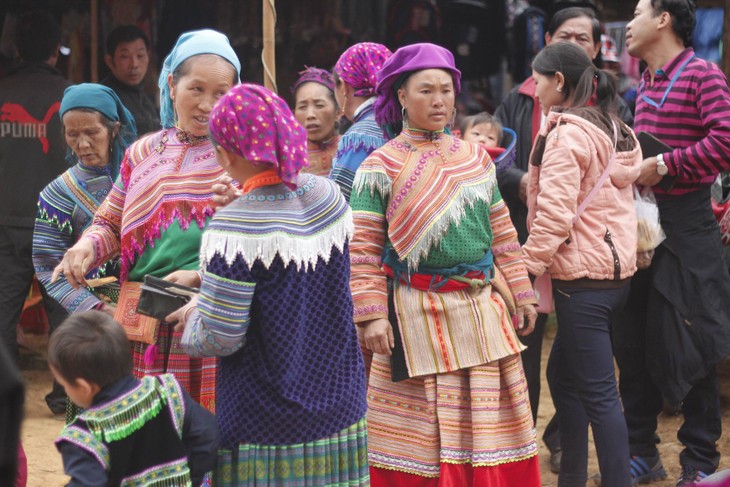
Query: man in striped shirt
(676, 325)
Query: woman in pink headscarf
(275, 304)
(316, 109)
(356, 75)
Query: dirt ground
(40, 427)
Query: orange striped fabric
(432, 185)
(479, 416)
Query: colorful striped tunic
(687, 107)
(275, 303)
(65, 209)
(320, 156)
(154, 219)
(434, 200)
(362, 138)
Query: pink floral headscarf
(359, 65)
(256, 124)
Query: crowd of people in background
(369, 272)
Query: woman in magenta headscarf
(275, 304)
(356, 75)
(316, 109)
(439, 287)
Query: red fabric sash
(429, 282)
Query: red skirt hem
(525, 473)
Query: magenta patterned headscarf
(256, 124)
(315, 75)
(359, 65)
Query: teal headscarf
(191, 44)
(105, 101)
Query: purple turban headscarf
(406, 60)
(359, 65)
(254, 123)
(315, 75)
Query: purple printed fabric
(408, 59)
(254, 123)
(314, 75)
(359, 65)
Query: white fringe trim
(304, 251)
(374, 181)
(467, 197)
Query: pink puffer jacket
(567, 160)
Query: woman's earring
(453, 118)
(560, 89)
(404, 116)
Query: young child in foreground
(133, 432)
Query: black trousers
(16, 262)
(532, 363)
(642, 399)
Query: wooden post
(268, 55)
(94, 41)
(726, 40)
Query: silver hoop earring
(559, 89)
(453, 118)
(404, 116)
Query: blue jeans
(582, 381)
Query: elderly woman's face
(315, 109)
(206, 79)
(428, 97)
(88, 136)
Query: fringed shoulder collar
(300, 226)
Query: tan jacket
(568, 159)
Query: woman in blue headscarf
(156, 211)
(98, 129)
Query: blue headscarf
(191, 44)
(105, 101)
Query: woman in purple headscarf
(439, 288)
(316, 109)
(275, 304)
(356, 75)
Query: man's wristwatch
(661, 167)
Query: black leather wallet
(651, 146)
(158, 297)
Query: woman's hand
(378, 336)
(184, 278)
(224, 192)
(76, 263)
(181, 315)
(525, 319)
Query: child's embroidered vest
(137, 437)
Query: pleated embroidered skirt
(471, 427)
(337, 461)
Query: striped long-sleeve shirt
(688, 107)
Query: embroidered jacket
(362, 138)
(433, 199)
(320, 156)
(146, 432)
(165, 178)
(276, 304)
(65, 209)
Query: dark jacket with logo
(32, 147)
